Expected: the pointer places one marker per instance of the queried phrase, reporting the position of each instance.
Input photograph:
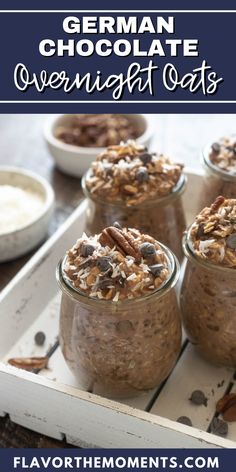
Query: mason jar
(120, 349)
(162, 218)
(216, 181)
(208, 305)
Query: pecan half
(124, 242)
(227, 406)
(29, 363)
(217, 203)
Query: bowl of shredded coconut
(26, 205)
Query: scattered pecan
(217, 203)
(29, 363)
(123, 241)
(227, 407)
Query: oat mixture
(117, 264)
(223, 154)
(213, 234)
(97, 130)
(129, 173)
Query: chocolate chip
(200, 231)
(145, 158)
(147, 249)
(184, 420)
(104, 263)
(117, 225)
(105, 282)
(231, 241)
(219, 427)
(142, 175)
(39, 338)
(86, 250)
(156, 269)
(198, 398)
(216, 147)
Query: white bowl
(75, 160)
(19, 242)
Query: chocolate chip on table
(185, 420)
(198, 398)
(216, 147)
(156, 269)
(86, 250)
(142, 175)
(219, 427)
(104, 263)
(117, 225)
(39, 338)
(147, 249)
(231, 241)
(145, 158)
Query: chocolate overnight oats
(220, 164)
(208, 293)
(120, 330)
(139, 189)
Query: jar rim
(227, 176)
(66, 285)
(190, 254)
(176, 192)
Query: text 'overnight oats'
(208, 294)
(139, 189)
(120, 329)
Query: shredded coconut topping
(110, 272)
(213, 234)
(130, 173)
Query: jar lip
(176, 191)
(189, 253)
(65, 283)
(228, 176)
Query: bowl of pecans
(74, 141)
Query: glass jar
(208, 305)
(216, 181)
(163, 218)
(120, 349)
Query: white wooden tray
(51, 402)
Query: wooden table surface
(22, 144)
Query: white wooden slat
(192, 373)
(59, 372)
(26, 296)
(231, 426)
(46, 322)
(95, 421)
(141, 402)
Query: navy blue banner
(161, 60)
(117, 459)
